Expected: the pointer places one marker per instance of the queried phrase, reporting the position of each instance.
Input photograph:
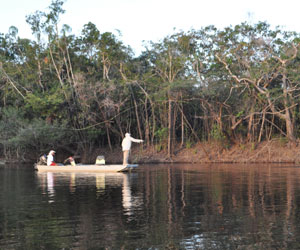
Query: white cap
(51, 152)
(127, 134)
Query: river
(178, 206)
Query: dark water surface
(157, 207)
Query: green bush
(19, 135)
(216, 133)
(188, 144)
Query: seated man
(70, 160)
(43, 160)
(50, 158)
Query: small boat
(86, 168)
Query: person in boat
(50, 158)
(43, 160)
(70, 160)
(126, 145)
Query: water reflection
(72, 182)
(158, 207)
(126, 196)
(50, 186)
(100, 183)
(49, 180)
(47, 184)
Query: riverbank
(275, 151)
(267, 152)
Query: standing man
(50, 158)
(126, 145)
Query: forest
(232, 86)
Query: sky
(140, 21)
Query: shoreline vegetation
(266, 152)
(271, 152)
(207, 95)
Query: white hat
(127, 134)
(51, 152)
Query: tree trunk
(250, 126)
(170, 122)
(108, 137)
(182, 127)
(262, 126)
(288, 120)
(137, 115)
(147, 128)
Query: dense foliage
(235, 85)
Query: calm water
(156, 207)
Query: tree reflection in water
(157, 207)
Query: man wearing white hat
(126, 145)
(50, 158)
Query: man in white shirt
(126, 145)
(50, 158)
